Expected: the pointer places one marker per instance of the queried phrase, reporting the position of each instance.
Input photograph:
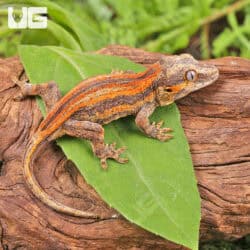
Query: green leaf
(38, 37)
(100, 10)
(226, 39)
(63, 36)
(168, 40)
(156, 189)
(236, 28)
(163, 23)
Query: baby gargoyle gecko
(96, 101)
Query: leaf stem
(231, 8)
(205, 46)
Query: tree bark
(216, 121)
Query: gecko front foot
(111, 152)
(156, 131)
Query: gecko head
(182, 75)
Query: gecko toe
(122, 160)
(165, 130)
(121, 150)
(104, 164)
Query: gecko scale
(99, 100)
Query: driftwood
(217, 124)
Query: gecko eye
(191, 75)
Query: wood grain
(217, 124)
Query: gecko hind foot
(110, 152)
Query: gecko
(99, 100)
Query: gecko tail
(41, 194)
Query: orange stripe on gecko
(89, 82)
(117, 110)
(77, 103)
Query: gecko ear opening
(163, 96)
(168, 90)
